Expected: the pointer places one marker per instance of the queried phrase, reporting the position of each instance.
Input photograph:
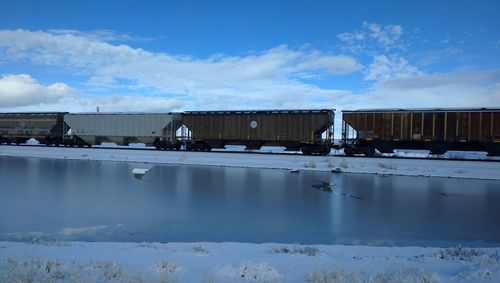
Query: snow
(139, 172)
(293, 162)
(239, 262)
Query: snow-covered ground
(408, 167)
(237, 262)
(471, 155)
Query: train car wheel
(325, 151)
(348, 151)
(306, 150)
(369, 151)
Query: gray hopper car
(18, 128)
(310, 131)
(156, 129)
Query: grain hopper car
(309, 131)
(17, 128)
(153, 129)
(436, 130)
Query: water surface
(102, 201)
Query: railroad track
(284, 153)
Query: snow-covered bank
(237, 262)
(434, 168)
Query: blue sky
(202, 55)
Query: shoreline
(386, 167)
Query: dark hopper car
(18, 128)
(310, 131)
(437, 130)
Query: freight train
(309, 131)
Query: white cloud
(431, 57)
(462, 89)
(100, 34)
(385, 35)
(267, 78)
(21, 90)
(132, 103)
(383, 68)
(429, 81)
(373, 35)
(24, 93)
(111, 103)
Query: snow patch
(68, 231)
(248, 272)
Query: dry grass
(460, 253)
(53, 270)
(296, 249)
(310, 164)
(245, 272)
(198, 249)
(329, 162)
(402, 274)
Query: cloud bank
(118, 77)
(22, 90)
(272, 78)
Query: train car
(156, 129)
(436, 130)
(310, 131)
(18, 128)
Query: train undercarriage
(307, 149)
(368, 148)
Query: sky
(161, 56)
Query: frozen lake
(102, 201)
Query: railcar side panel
(292, 129)
(436, 130)
(20, 127)
(122, 129)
